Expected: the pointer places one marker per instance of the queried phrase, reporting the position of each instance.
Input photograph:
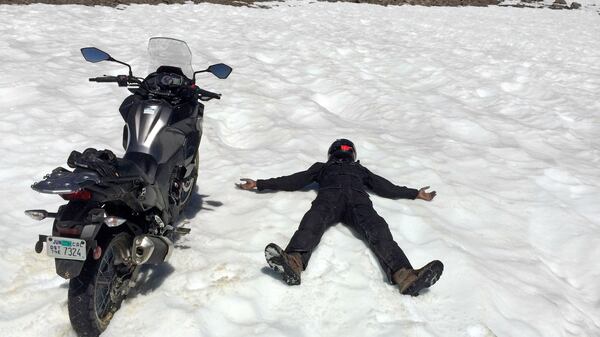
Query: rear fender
(95, 234)
(68, 269)
(72, 268)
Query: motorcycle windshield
(166, 51)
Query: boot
(411, 281)
(288, 265)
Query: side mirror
(220, 70)
(93, 54)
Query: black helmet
(342, 149)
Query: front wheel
(94, 295)
(188, 185)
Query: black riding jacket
(342, 175)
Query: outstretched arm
(386, 189)
(286, 183)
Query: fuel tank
(149, 132)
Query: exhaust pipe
(151, 249)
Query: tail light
(79, 195)
(69, 231)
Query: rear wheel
(94, 295)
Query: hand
(248, 184)
(428, 196)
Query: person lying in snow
(342, 198)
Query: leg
(290, 263)
(321, 215)
(376, 232)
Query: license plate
(66, 248)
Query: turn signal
(97, 252)
(113, 221)
(37, 214)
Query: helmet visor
(344, 152)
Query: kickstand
(182, 230)
(134, 276)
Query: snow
(496, 108)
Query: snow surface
(496, 108)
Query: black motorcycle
(121, 212)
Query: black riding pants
(356, 210)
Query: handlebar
(207, 94)
(122, 80)
(104, 79)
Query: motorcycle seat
(138, 164)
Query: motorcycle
(121, 212)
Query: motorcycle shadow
(150, 278)
(198, 203)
